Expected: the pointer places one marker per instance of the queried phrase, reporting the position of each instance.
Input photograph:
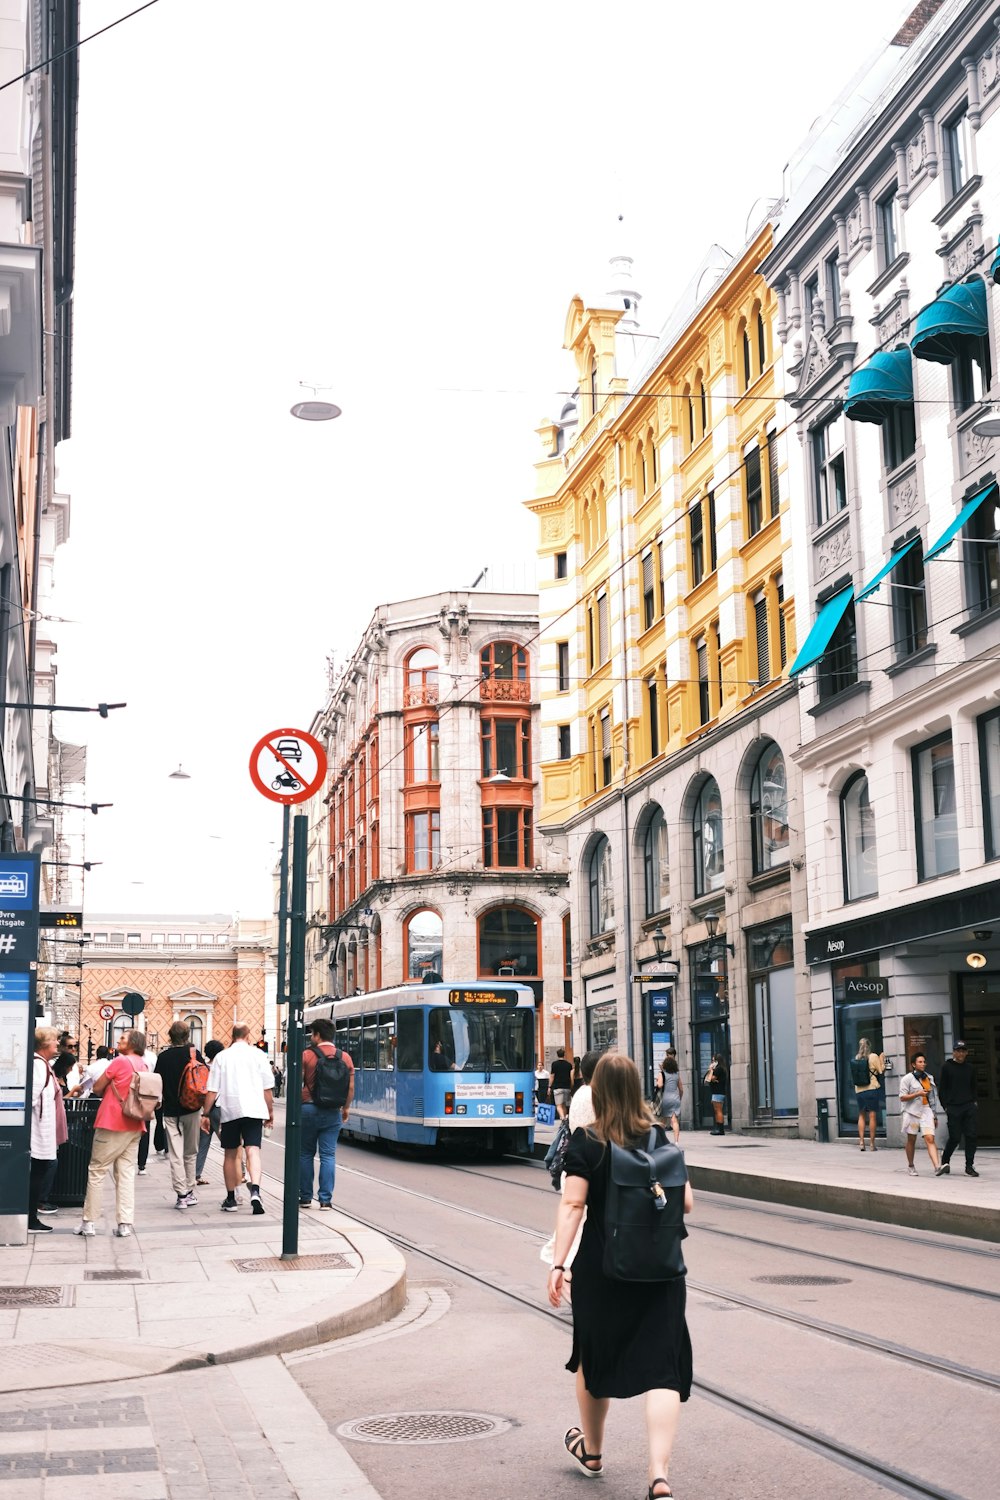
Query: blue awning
(886, 568)
(995, 267)
(821, 634)
(885, 381)
(943, 328)
(949, 534)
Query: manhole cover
(113, 1275)
(423, 1427)
(805, 1280)
(31, 1296)
(329, 1262)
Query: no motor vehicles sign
(288, 765)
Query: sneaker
(971, 1172)
(326, 1205)
(86, 1226)
(229, 1205)
(305, 1203)
(39, 1228)
(255, 1204)
(191, 1199)
(141, 1172)
(47, 1208)
(943, 1170)
(911, 1171)
(182, 1202)
(123, 1231)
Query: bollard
(823, 1121)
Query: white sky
(398, 201)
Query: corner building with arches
(435, 860)
(669, 726)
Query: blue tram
(440, 1064)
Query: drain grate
(31, 1296)
(423, 1427)
(329, 1262)
(116, 1275)
(805, 1280)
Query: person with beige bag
(129, 1093)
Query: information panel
(482, 997)
(18, 957)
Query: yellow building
(668, 720)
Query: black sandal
(666, 1494)
(573, 1443)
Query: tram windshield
(481, 1041)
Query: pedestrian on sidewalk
(867, 1068)
(629, 1337)
(919, 1098)
(957, 1092)
(91, 1074)
(561, 1083)
(241, 1081)
(181, 1124)
(116, 1140)
(671, 1086)
(212, 1049)
(46, 1097)
(327, 1091)
(717, 1079)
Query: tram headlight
(449, 1104)
(461, 1109)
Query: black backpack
(860, 1071)
(644, 1214)
(331, 1081)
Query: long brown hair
(621, 1113)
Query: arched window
(703, 398)
(504, 660)
(654, 457)
(857, 825)
(689, 405)
(769, 811)
(601, 886)
(655, 869)
(706, 828)
(196, 1026)
(421, 677)
(745, 345)
(640, 471)
(508, 943)
(761, 342)
(424, 941)
(119, 1026)
(593, 385)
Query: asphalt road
(832, 1357)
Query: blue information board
(18, 958)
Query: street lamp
(712, 928)
(315, 410)
(659, 941)
(179, 775)
(987, 424)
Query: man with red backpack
(185, 1081)
(327, 1091)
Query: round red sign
(288, 765)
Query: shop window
(508, 940)
(600, 885)
(706, 830)
(857, 1017)
(655, 866)
(934, 807)
(857, 831)
(602, 1027)
(989, 773)
(769, 811)
(775, 1033)
(424, 943)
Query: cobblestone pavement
(237, 1432)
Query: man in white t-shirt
(91, 1073)
(240, 1081)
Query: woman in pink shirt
(116, 1140)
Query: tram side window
(341, 1029)
(410, 1041)
(386, 1034)
(353, 1044)
(369, 1042)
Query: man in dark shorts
(561, 1083)
(241, 1082)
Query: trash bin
(823, 1121)
(70, 1186)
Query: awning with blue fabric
(944, 327)
(821, 634)
(995, 267)
(886, 568)
(949, 534)
(884, 382)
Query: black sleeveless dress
(628, 1336)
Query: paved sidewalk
(188, 1289)
(837, 1178)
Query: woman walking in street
(629, 1337)
(866, 1069)
(671, 1093)
(116, 1140)
(717, 1079)
(918, 1096)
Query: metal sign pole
(293, 1056)
(283, 905)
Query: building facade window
(655, 865)
(855, 1016)
(706, 830)
(773, 484)
(838, 669)
(508, 943)
(421, 760)
(760, 628)
(562, 565)
(754, 488)
(600, 887)
(653, 715)
(958, 151)
(507, 838)
(909, 604)
(565, 749)
(603, 629)
(887, 218)
(420, 678)
(696, 537)
(713, 555)
(761, 342)
(506, 746)
(769, 811)
(935, 808)
(423, 841)
(832, 268)
(989, 774)
(605, 747)
(828, 471)
(775, 1047)
(503, 661)
(971, 373)
(424, 943)
(857, 834)
(779, 593)
(982, 555)
(562, 666)
(648, 588)
(704, 691)
(899, 436)
(747, 358)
